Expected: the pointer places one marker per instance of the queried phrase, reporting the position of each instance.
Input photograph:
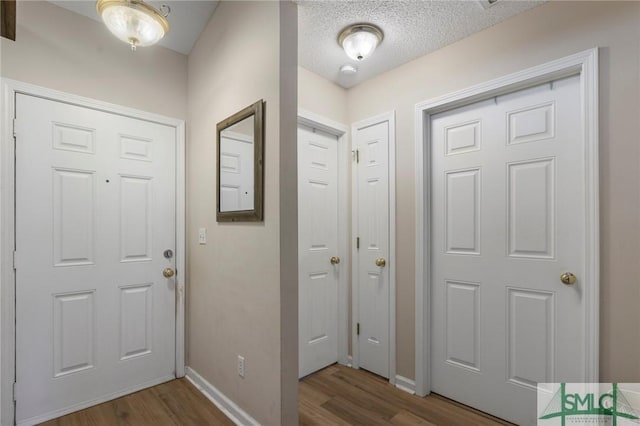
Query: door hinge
(15, 387)
(358, 329)
(357, 243)
(356, 155)
(15, 127)
(15, 260)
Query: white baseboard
(220, 400)
(349, 361)
(405, 384)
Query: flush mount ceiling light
(360, 40)
(134, 21)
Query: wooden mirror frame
(8, 19)
(256, 214)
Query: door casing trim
(585, 64)
(339, 130)
(390, 117)
(8, 91)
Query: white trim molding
(405, 384)
(389, 117)
(8, 90)
(584, 64)
(220, 400)
(340, 131)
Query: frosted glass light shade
(359, 41)
(133, 21)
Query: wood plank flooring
(176, 402)
(340, 395)
(337, 395)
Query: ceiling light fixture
(360, 40)
(134, 21)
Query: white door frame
(8, 91)
(310, 119)
(584, 64)
(391, 261)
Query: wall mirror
(240, 150)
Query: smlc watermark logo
(615, 404)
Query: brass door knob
(168, 272)
(335, 260)
(568, 278)
(381, 262)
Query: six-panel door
(95, 210)
(508, 218)
(372, 143)
(317, 245)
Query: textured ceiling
(186, 20)
(411, 29)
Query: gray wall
(241, 298)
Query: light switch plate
(202, 236)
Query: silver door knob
(168, 272)
(568, 278)
(335, 260)
(381, 262)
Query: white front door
(317, 245)
(95, 211)
(508, 218)
(371, 143)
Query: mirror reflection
(236, 166)
(239, 171)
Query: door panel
(508, 218)
(95, 210)
(372, 143)
(73, 217)
(73, 332)
(317, 244)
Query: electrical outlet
(241, 366)
(202, 236)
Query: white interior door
(95, 210)
(508, 218)
(236, 170)
(372, 261)
(317, 245)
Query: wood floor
(337, 395)
(176, 402)
(340, 395)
